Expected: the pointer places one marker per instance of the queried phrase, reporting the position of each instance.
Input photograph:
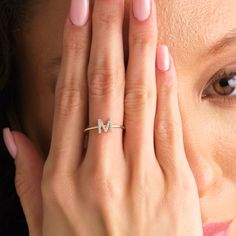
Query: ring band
(105, 128)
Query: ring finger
(106, 77)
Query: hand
(138, 183)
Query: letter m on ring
(104, 127)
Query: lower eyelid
(221, 100)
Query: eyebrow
(227, 40)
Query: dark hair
(12, 219)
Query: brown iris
(222, 87)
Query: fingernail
(141, 9)
(9, 142)
(79, 12)
(162, 58)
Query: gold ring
(105, 128)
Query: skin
(190, 29)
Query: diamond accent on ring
(104, 127)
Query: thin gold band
(101, 126)
(96, 127)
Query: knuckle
(168, 89)
(143, 39)
(107, 18)
(103, 187)
(178, 173)
(69, 99)
(49, 189)
(139, 192)
(54, 187)
(103, 81)
(74, 43)
(186, 187)
(165, 130)
(141, 182)
(138, 97)
(183, 184)
(140, 178)
(24, 187)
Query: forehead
(188, 27)
(192, 26)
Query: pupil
(224, 83)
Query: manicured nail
(141, 9)
(9, 142)
(79, 12)
(163, 58)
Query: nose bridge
(205, 170)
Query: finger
(140, 92)
(71, 90)
(29, 168)
(106, 76)
(168, 124)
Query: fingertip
(79, 12)
(165, 68)
(9, 142)
(162, 58)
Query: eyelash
(219, 98)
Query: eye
(222, 87)
(223, 84)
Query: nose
(206, 171)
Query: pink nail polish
(141, 9)
(162, 58)
(9, 142)
(79, 12)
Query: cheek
(210, 132)
(208, 144)
(223, 142)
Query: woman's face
(201, 36)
